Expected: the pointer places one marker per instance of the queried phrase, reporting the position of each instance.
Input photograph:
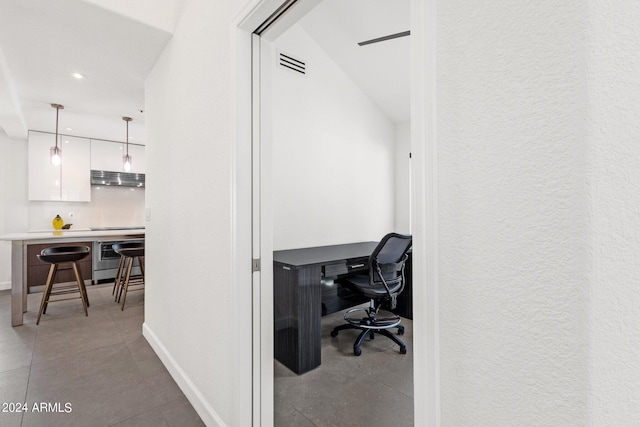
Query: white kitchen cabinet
(71, 180)
(107, 156)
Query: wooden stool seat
(56, 256)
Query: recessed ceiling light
(69, 129)
(78, 76)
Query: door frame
(254, 320)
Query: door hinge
(255, 265)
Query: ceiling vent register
(117, 179)
(292, 63)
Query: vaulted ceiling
(380, 69)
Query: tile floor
(373, 390)
(100, 365)
(103, 367)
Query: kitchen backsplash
(109, 207)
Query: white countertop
(71, 234)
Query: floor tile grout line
(154, 408)
(307, 418)
(37, 337)
(26, 389)
(128, 346)
(31, 364)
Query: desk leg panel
(297, 315)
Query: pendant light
(126, 159)
(55, 152)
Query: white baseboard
(209, 416)
(5, 285)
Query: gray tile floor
(88, 371)
(103, 367)
(373, 390)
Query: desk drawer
(335, 270)
(355, 265)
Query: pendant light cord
(58, 107)
(57, 113)
(127, 119)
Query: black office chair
(382, 284)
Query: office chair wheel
(400, 330)
(334, 333)
(357, 351)
(403, 349)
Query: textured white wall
(333, 153)
(613, 52)
(513, 205)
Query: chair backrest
(388, 258)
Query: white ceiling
(381, 69)
(43, 42)
(115, 44)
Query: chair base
(369, 326)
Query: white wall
(513, 205)
(612, 143)
(160, 15)
(109, 207)
(5, 247)
(333, 153)
(402, 187)
(14, 207)
(189, 306)
(538, 203)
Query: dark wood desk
(304, 291)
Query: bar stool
(117, 283)
(56, 256)
(128, 255)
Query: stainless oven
(106, 260)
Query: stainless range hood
(117, 179)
